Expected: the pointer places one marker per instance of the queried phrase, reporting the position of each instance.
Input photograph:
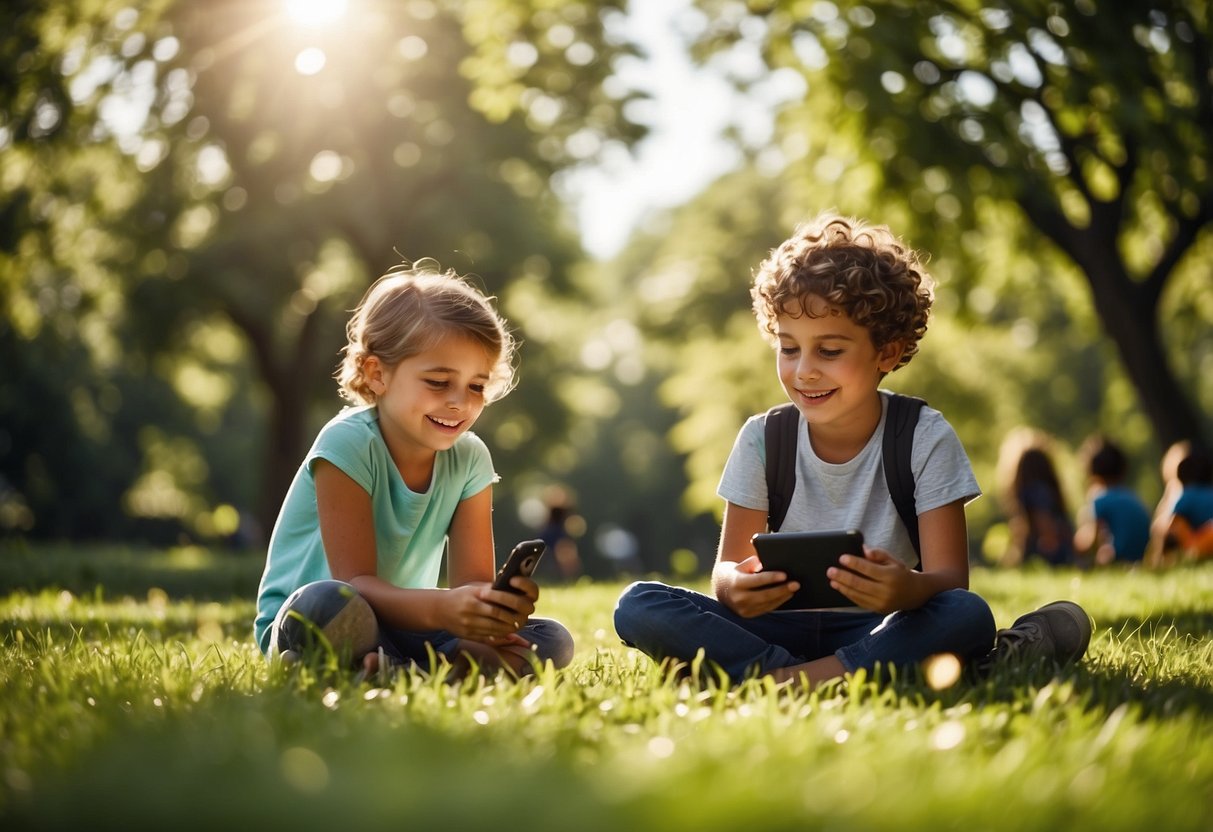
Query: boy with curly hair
(844, 303)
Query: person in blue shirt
(1183, 521)
(1114, 524)
(393, 483)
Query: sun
(315, 13)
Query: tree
(68, 397)
(257, 174)
(430, 130)
(1095, 120)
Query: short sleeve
(477, 465)
(942, 471)
(346, 443)
(744, 481)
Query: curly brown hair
(409, 310)
(861, 269)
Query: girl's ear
(889, 356)
(372, 374)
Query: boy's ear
(889, 356)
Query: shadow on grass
(184, 572)
(1158, 698)
(1088, 686)
(112, 629)
(228, 765)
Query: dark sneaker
(1058, 632)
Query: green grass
(146, 709)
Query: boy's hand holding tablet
(805, 557)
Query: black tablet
(805, 557)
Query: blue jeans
(673, 622)
(548, 638)
(331, 607)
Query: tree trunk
(288, 376)
(279, 370)
(1134, 330)
(284, 448)
(1128, 311)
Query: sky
(685, 149)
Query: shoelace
(1011, 641)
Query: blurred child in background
(1114, 524)
(1032, 498)
(559, 534)
(1183, 521)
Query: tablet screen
(805, 557)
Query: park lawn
(144, 708)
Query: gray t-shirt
(854, 494)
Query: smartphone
(522, 561)
(805, 557)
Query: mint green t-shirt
(410, 528)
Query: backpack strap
(780, 429)
(897, 445)
(896, 448)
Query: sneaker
(1059, 632)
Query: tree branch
(1187, 229)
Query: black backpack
(896, 446)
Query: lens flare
(942, 671)
(316, 13)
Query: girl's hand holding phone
(493, 613)
(478, 612)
